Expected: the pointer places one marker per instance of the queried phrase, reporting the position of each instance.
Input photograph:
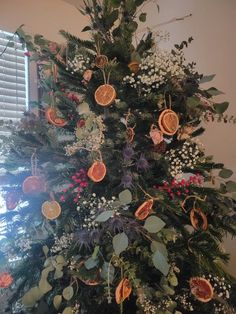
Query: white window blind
(13, 80)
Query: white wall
(212, 25)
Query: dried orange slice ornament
(105, 95)
(130, 135)
(201, 288)
(123, 290)
(101, 61)
(51, 115)
(97, 171)
(196, 215)
(168, 122)
(5, 280)
(144, 210)
(51, 209)
(33, 184)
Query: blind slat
(13, 86)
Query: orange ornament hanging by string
(201, 288)
(97, 171)
(5, 280)
(52, 117)
(196, 215)
(12, 200)
(168, 122)
(51, 210)
(105, 95)
(123, 290)
(33, 184)
(101, 61)
(144, 210)
(130, 135)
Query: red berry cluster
(179, 188)
(80, 181)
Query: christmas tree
(112, 204)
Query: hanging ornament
(201, 288)
(5, 280)
(134, 66)
(34, 184)
(130, 135)
(156, 135)
(144, 210)
(105, 95)
(196, 215)
(168, 122)
(101, 61)
(97, 171)
(123, 290)
(51, 210)
(12, 199)
(52, 116)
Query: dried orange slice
(105, 95)
(144, 210)
(97, 171)
(51, 209)
(168, 122)
(123, 290)
(51, 115)
(201, 288)
(130, 135)
(33, 184)
(196, 215)
(101, 61)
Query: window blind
(13, 80)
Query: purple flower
(128, 152)
(126, 180)
(116, 224)
(142, 163)
(83, 239)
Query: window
(13, 79)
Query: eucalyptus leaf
(58, 273)
(214, 91)
(104, 216)
(86, 28)
(225, 173)
(221, 107)
(207, 78)
(44, 286)
(153, 224)
(95, 252)
(68, 293)
(83, 108)
(67, 310)
(31, 297)
(192, 102)
(125, 197)
(231, 186)
(143, 17)
(120, 243)
(108, 272)
(90, 263)
(155, 245)
(57, 301)
(45, 250)
(60, 259)
(160, 262)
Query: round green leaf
(68, 293)
(125, 197)
(225, 173)
(104, 216)
(31, 297)
(231, 186)
(120, 243)
(160, 262)
(57, 301)
(153, 224)
(67, 310)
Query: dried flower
(5, 280)
(126, 180)
(156, 136)
(128, 152)
(142, 163)
(87, 75)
